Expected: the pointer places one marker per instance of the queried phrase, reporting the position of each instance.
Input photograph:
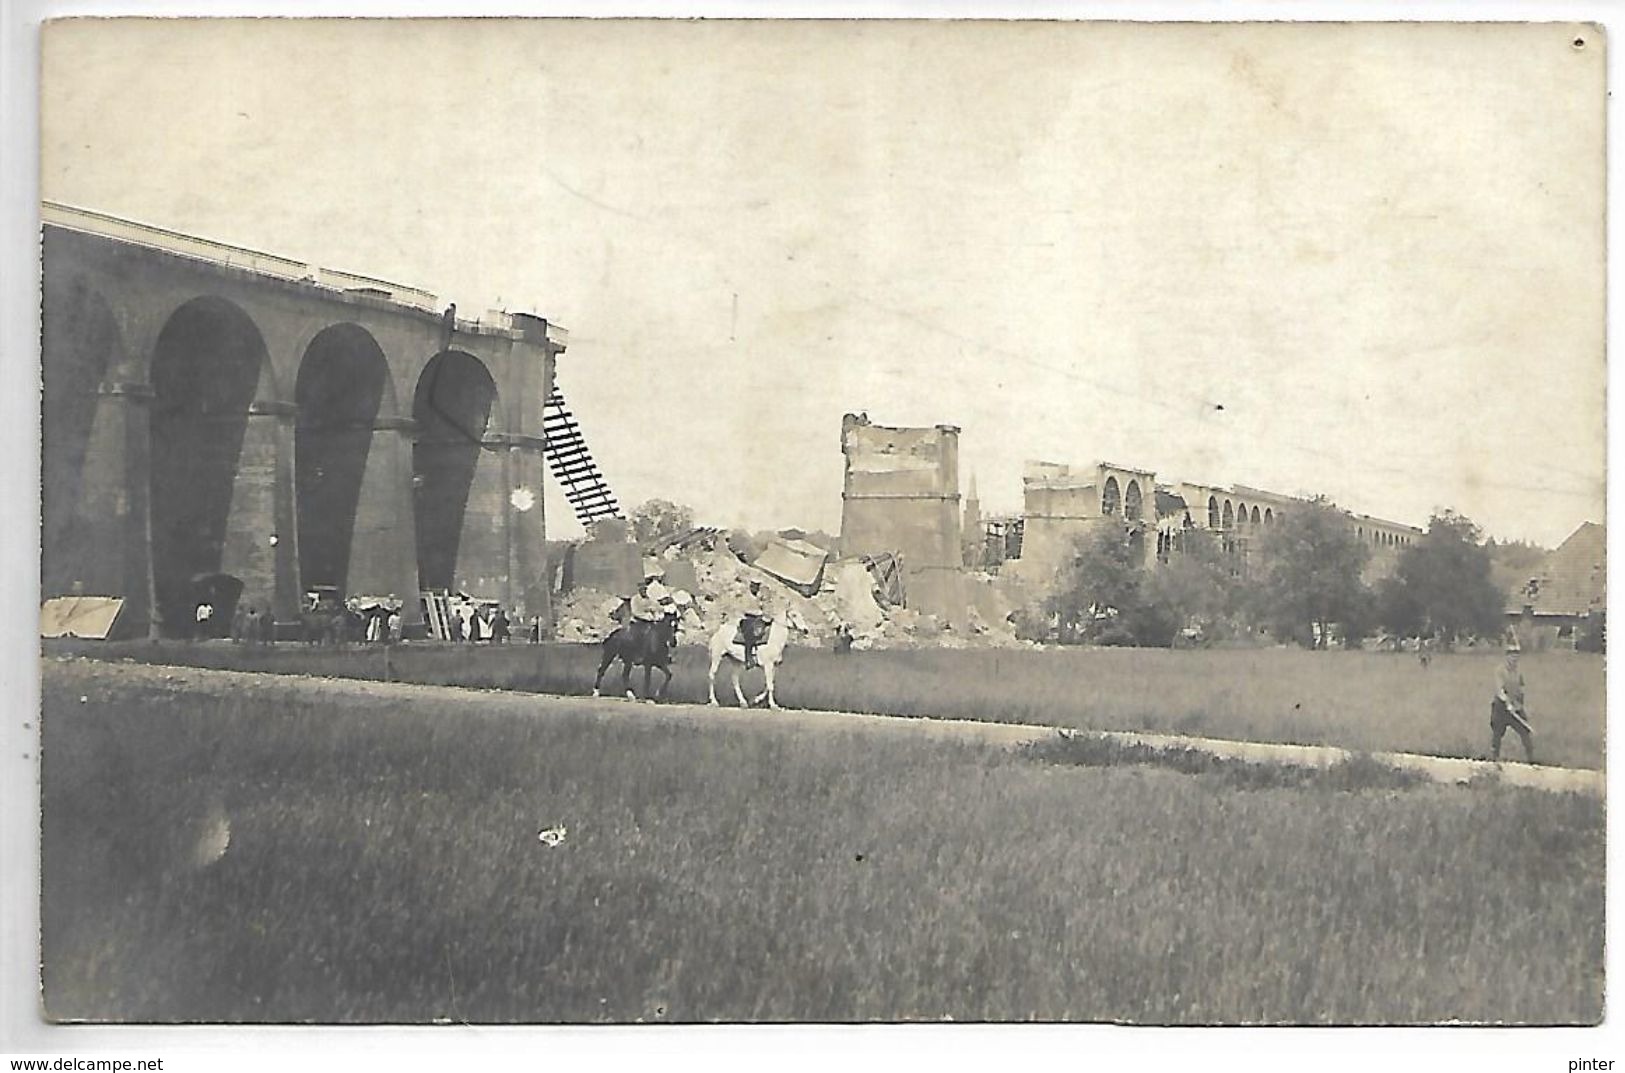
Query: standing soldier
(1507, 709)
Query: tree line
(1301, 580)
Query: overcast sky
(1359, 260)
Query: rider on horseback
(757, 608)
(646, 609)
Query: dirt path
(1437, 768)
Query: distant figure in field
(843, 639)
(1508, 710)
(1424, 651)
(264, 628)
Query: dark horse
(640, 644)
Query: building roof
(1571, 580)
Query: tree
(1309, 576)
(659, 519)
(1196, 588)
(1446, 583)
(1098, 589)
(1516, 554)
(1397, 609)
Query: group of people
(383, 625)
(479, 622)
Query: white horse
(770, 653)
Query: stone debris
(796, 563)
(849, 592)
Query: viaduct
(213, 411)
(1062, 501)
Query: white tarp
(89, 617)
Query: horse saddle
(752, 631)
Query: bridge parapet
(240, 257)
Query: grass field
(382, 864)
(1359, 700)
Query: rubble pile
(586, 615)
(847, 592)
(723, 582)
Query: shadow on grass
(1358, 771)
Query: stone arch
(1110, 497)
(1212, 512)
(343, 389)
(1269, 516)
(1133, 502)
(457, 475)
(1256, 516)
(81, 346)
(217, 493)
(1229, 519)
